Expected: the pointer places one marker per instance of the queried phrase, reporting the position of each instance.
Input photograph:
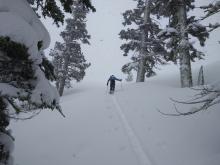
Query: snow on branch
(211, 9)
(201, 31)
(127, 68)
(7, 90)
(169, 31)
(25, 72)
(213, 26)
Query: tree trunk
(141, 71)
(58, 84)
(185, 70)
(141, 67)
(64, 76)
(185, 64)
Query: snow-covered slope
(172, 77)
(121, 129)
(211, 72)
(171, 140)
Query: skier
(112, 79)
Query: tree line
(150, 45)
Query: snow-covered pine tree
(24, 70)
(141, 39)
(209, 95)
(50, 8)
(178, 33)
(69, 60)
(24, 88)
(211, 9)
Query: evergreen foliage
(49, 8)
(209, 95)
(176, 42)
(141, 39)
(14, 57)
(178, 34)
(21, 74)
(68, 59)
(211, 9)
(21, 82)
(48, 69)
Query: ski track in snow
(142, 157)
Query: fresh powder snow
(124, 128)
(102, 129)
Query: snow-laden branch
(7, 90)
(167, 32)
(27, 75)
(211, 9)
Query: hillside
(124, 128)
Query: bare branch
(208, 96)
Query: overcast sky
(104, 52)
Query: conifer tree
(24, 87)
(68, 58)
(178, 33)
(141, 40)
(25, 73)
(209, 95)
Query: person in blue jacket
(112, 80)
